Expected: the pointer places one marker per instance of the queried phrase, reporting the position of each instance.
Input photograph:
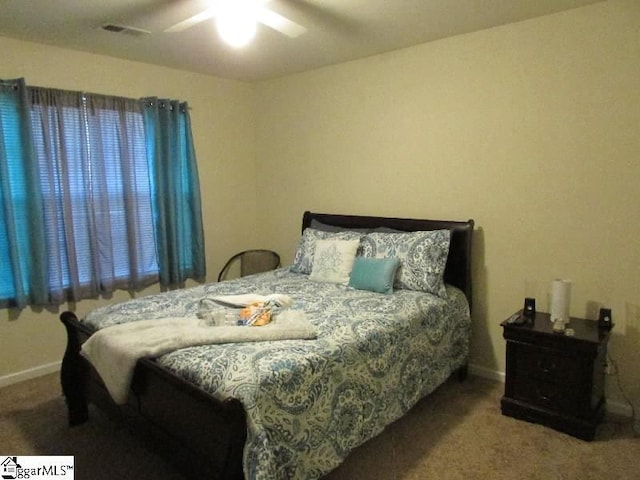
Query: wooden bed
(203, 435)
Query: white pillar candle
(560, 300)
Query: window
(96, 184)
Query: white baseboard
(615, 408)
(486, 373)
(35, 372)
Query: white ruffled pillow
(333, 260)
(303, 260)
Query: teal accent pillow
(374, 274)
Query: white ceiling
(337, 30)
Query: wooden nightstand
(555, 379)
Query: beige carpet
(456, 433)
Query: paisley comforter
(310, 402)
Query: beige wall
(223, 129)
(532, 129)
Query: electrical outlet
(633, 315)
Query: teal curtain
(23, 266)
(97, 193)
(175, 191)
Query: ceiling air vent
(135, 32)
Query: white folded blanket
(114, 351)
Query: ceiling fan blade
(191, 21)
(280, 23)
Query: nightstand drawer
(548, 365)
(549, 395)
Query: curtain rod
(145, 100)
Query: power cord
(613, 372)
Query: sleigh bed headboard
(458, 269)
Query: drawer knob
(545, 397)
(546, 366)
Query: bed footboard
(72, 370)
(209, 434)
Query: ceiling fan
(236, 20)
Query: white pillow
(333, 260)
(303, 261)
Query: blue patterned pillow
(422, 255)
(374, 274)
(303, 260)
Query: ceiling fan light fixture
(236, 22)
